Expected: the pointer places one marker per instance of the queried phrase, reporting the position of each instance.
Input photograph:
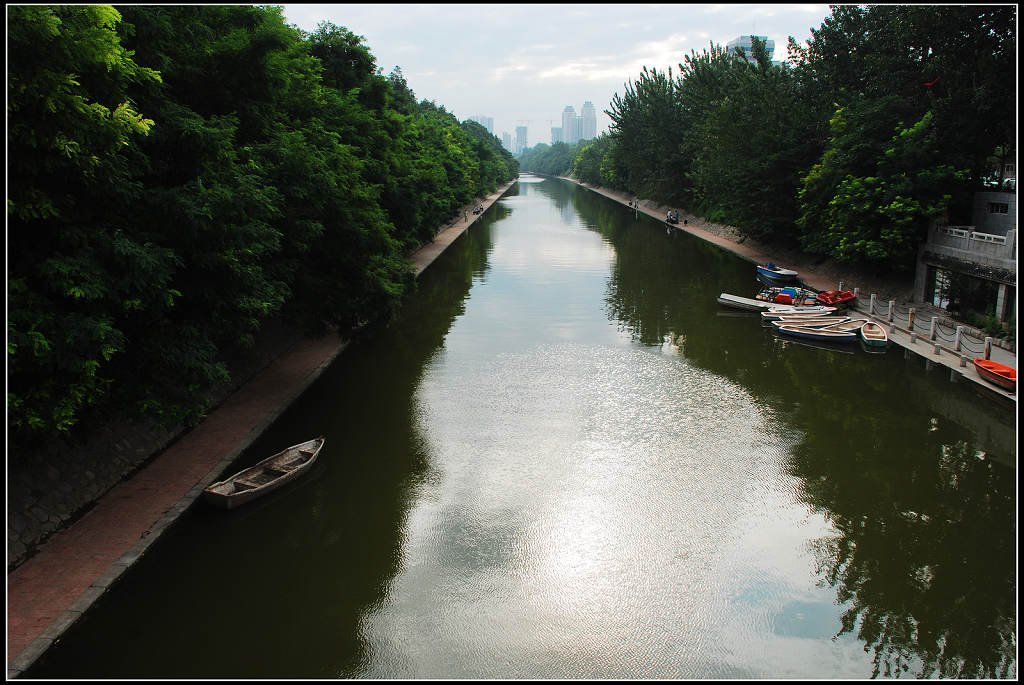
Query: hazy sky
(523, 63)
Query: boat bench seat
(276, 470)
(247, 484)
(308, 453)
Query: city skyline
(521, 64)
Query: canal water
(566, 460)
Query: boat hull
(999, 374)
(874, 335)
(777, 275)
(263, 478)
(744, 303)
(818, 334)
(808, 322)
(837, 298)
(777, 312)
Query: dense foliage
(179, 175)
(883, 121)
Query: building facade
(485, 121)
(983, 254)
(588, 121)
(521, 143)
(569, 125)
(743, 45)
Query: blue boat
(776, 274)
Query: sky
(523, 63)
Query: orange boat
(1002, 375)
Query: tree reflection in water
(927, 568)
(924, 552)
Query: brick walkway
(52, 589)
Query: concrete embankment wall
(50, 488)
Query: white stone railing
(986, 248)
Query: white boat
(873, 334)
(776, 312)
(746, 303)
(809, 321)
(847, 326)
(818, 334)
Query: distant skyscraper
(744, 45)
(569, 128)
(520, 139)
(506, 140)
(556, 134)
(486, 122)
(588, 121)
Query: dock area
(955, 350)
(923, 334)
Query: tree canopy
(181, 175)
(885, 120)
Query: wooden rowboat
(808, 321)
(819, 334)
(847, 325)
(873, 334)
(1002, 375)
(264, 477)
(778, 311)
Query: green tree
(870, 199)
(75, 262)
(649, 127)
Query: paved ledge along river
(565, 460)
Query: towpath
(53, 588)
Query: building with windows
(521, 143)
(588, 121)
(743, 44)
(506, 140)
(570, 126)
(980, 258)
(556, 135)
(486, 122)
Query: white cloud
(526, 62)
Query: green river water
(566, 460)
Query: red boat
(836, 298)
(1002, 375)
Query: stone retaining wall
(51, 488)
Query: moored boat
(839, 298)
(1002, 375)
(808, 321)
(787, 295)
(745, 303)
(776, 273)
(264, 477)
(775, 311)
(819, 334)
(852, 325)
(873, 334)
